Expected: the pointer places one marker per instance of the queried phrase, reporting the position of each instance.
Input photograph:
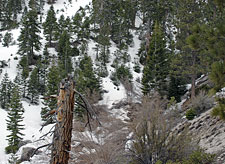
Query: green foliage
(176, 88)
(29, 39)
(121, 74)
(156, 69)
(64, 54)
(102, 71)
(113, 19)
(9, 11)
(190, 114)
(7, 39)
(53, 79)
(50, 26)
(137, 68)
(87, 75)
(81, 25)
(87, 82)
(5, 91)
(23, 64)
(199, 157)
(219, 110)
(33, 86)
(217, 75)
(15, 117)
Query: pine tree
(23, 64)
(29, 39)
(87, 82)
(9, 11)
(5, 91)
(7, 39)
(33, 4)
(187, 60)
(15, 117)
(50, 26)
(53, 79)
(64, 54)
(64, 24)
(176, 88)
(217, 75)
(42, 66)
(33, 86)
(156, 69)
(86, 72)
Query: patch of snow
(188, 86)
(67, 9)
(120, 114)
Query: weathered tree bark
(63, 130)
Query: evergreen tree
(33, 4)
(33, 86)
(86, 72)
(19, 82)
(29, 39)
(15, 117)
(9, 11)
(187, 60)
(156, 69)
(64, 24)
(23, 64)
(53, 80)
(64, 54)
(81, 25)
(42, 67)
(87, 82)
(7, 39)
(50, 25)
(5, 91)
(217, 75)
(176, 88)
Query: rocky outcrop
(209, 131)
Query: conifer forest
(112, 82)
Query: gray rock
(27, 152)
(22, 143)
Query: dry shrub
(202, 102)
(105, 145)
(153, 139)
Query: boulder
(27, 153)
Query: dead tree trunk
(63, 129)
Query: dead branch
(34, 152)
(49, 97)
(90, 111)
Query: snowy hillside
(32, 118)
(136, 84)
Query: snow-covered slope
(32, 118)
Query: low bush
(190, 114)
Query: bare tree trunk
(192, 87)
(193, 76)
(63, 130)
